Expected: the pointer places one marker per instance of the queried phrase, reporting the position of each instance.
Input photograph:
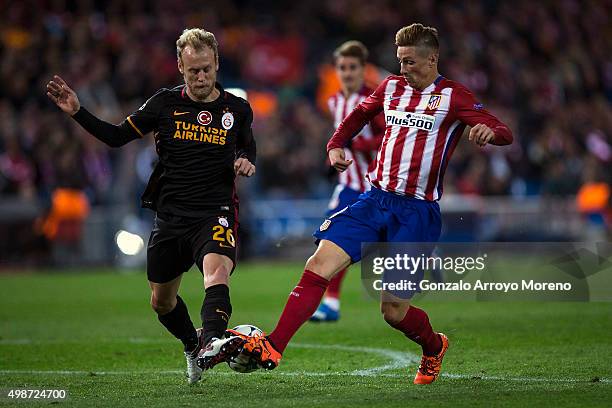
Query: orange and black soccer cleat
(430, 366)
(260, 348)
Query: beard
(201, 92)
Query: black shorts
(177, 242)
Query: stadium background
(83, 324)
(543, 67)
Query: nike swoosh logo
(395, 97)
(226, 316)
(225, 246)
(176, 113)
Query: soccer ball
(243, 363)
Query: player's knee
(219, 274)
(328, 260)
(162, 306)
(314, 263)
(319, 265)
(393, 312)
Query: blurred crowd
(545, 68)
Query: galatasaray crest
(227, 120)
(223, 221)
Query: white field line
(396, 360)
(298, 374)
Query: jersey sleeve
(245, 143)
(146, 118)
(471, 112)
(356, 120)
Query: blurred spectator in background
(542, 67)
(594, 199)
(545, 68)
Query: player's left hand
(481, 134)
(243, 167)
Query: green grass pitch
(95, 336)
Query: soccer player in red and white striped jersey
(349, 61)
(425, 115)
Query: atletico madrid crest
(325, 225)
(434, 102)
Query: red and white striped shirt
(422, 131)
(364, 145)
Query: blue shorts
(380, 216)
(343, 196)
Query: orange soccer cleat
(430, 366)
(261, 348)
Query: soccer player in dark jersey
(204, 139)
(425, 115)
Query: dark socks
(216, 312)
(179, 324)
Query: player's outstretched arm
(481, 134)
(486, 128)
(372, 144)
(68, 101)
(356, 120)
(63, 96)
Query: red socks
(302, 303)
(333, 289)
(305, 298)
(416, 327)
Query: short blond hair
(417, 35)
(354, 49)
(197, 38)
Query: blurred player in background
(350, 61)
(204, 139)
(425, 115)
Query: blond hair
(417, 35)
(197, 38)
(354, 49)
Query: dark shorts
(177, 242)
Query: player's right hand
(64, 97)
(336, 159)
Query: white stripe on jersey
(430, 146)
(391, 138)
(402, 175)
(401, 103)
(389, 90)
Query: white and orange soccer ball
(243, 363)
